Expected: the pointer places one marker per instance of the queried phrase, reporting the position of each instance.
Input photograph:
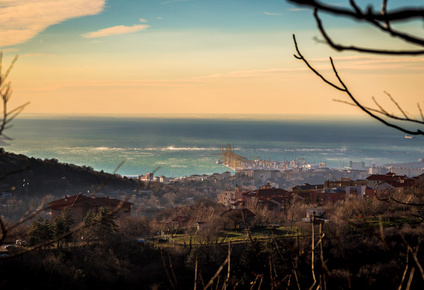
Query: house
(229, 197)
(264, 193)
(147, 176)
(389, 181)
(315, 214)
(343, 182)
(360, 191)
(307, 187)
(275, 204)
(323, 197)
(80, 205)
(237, 217)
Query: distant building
(389, 181)
(378, 170)
(322, 197)
(238, 217)
(147, 176)
(229, 197)
(80, 205)
(307, 187)
(343, 182)
(357, 165)
(264, 193)
(406, 171)
(275, 199)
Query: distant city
(257, 168)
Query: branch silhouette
(343, 88)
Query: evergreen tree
(40, 231)
(61, 225)
(101, 226)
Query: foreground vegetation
(368, 244)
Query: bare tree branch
(381, 21)
(340, 47)
(5, 94)
(342, 87)
(394, 16)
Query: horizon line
(215, 116)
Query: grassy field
(234, 236)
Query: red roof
(386, 177)
(267, 193)
(393, 179)
(239, 213)
(80, 200)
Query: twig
(216, 274)
(414, 255)
(323, 264)
(340, 47)
(380, 20)
(166, 269)
(229, 265)
(421, 112)
(172, 269)
(411, 276)
(406, 269)
(397, 105)
(342, 87)
(250, 238)
(313, 252)
(195, 274)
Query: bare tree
(6, 94)
(383, 20)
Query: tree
(6, 94)
(40, 231)
(100, 226)
(384, 21)
(62, 225)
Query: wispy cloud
(297, 9)
(272, 14)
(172, 1)
(21, 20)
(376, 63)
(119, 29)
(254, 73)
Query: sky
(193, 58)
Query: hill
(21, 174)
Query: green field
(233, 236)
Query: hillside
(21, 174)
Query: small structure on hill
(238, 217)
(80, 205)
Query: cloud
(363, 62)
(120, 29)
(172, 1)
(272, 14)
(21, 20)
(254, 73)
(143, 20)
(297, 9)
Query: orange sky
(117, 59)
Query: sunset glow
(190, 58)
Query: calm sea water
(191, 146)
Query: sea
(178, 146)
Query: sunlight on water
(191, 146)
